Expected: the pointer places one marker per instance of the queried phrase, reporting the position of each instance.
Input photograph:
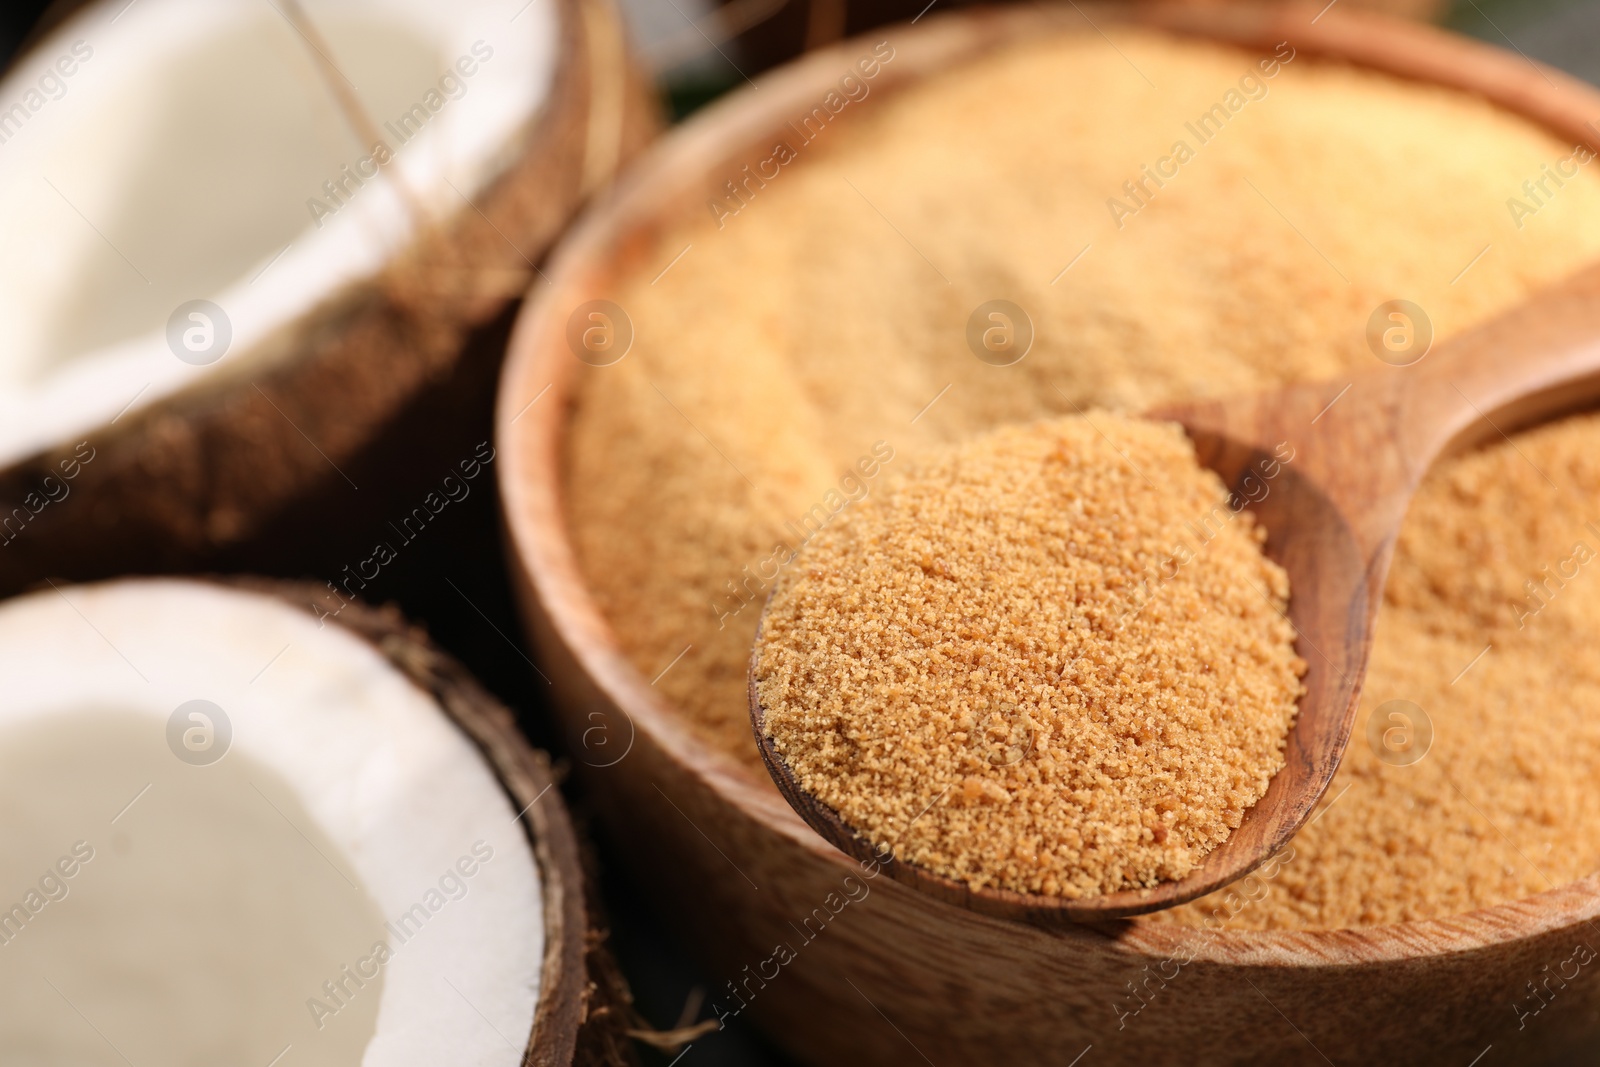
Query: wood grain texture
(895, 976)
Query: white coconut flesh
(167, 151)
(347, 884)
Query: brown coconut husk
(585, 1012)
(357, 406)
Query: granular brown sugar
(829, 315)
(1052, 659)
(771, 356)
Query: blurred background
(698, 50)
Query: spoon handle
(1536, 361)
(1364, 442)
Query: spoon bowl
(1328, 469)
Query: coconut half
(237, 835)
(249, 242)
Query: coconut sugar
(828, 316)
(1052, 659)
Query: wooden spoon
(1356, 450)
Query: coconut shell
(355, 410)
(585, 1008)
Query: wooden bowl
(797, 26)
(895, 977)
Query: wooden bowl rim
(536, 390)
